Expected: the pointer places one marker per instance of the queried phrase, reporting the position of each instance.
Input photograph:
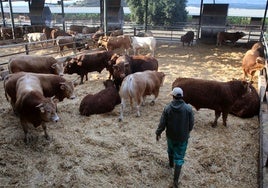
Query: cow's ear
(54, 99)
(62, 86)
(53, 66)
(41, 107)
(79, 63)
(126, 64)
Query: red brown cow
(253, 61)
(125, 65)
(112, 43)
(52, 85)
(36, 64)
(139, 85)
(32, 106)
(215, 95)
(101, 102)
(248, 105)
(188, 38)
(232, 37)
(90, 62)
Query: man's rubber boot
(171, 161)
(177, 172)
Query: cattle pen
(97, 151)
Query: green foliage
(238, 20)
(160, 12)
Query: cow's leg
(139, 101)
(123, 104)
(45, 130)
(26, 133)
(217, 115)
(224, 118)
(82, 78)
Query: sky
(67, 2)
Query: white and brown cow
(215, 95)
(36, 37)
(36, 64)
(31, 105)
(139, 85)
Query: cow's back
(141, 63)
(26, 63)
(210, 94)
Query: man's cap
(177, 92)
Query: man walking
(178, 120)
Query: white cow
(35, 37)
(143, 42)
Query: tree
(160, 12)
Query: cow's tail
(128, 87)
(5, 79)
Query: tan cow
(112, 43)
(52, 85)
(36, 64)
(139, 85)
(253, 61)
(32, 106)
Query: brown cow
(188, 38)
(36, 64)
(52, 85)
(125, 65)
(69, 42)
(90, 62)
(32, 106)
(232, 37)
(95, 37)
(101, 102)
(253, 60)
(139, 85)
(112, 43)
(248, 105)
(215, 95)
(57, 32)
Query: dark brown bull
(188, 38)
(90, 62)
(125, 65)
(232, 37)
(214, 95)
(52, 85)
(101, 102)
(32, 106)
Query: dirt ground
(99, 151)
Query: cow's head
(48, 110)
(67, 90)
(57, 68)
(72, 66)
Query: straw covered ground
(99, 151)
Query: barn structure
(212, 19)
